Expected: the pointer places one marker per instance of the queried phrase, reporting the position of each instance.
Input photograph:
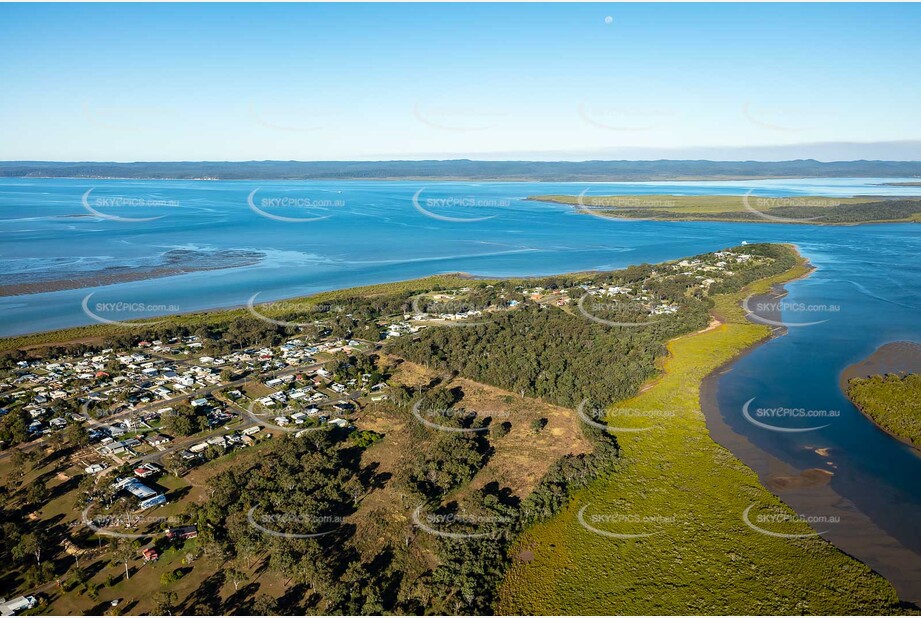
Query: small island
(891, 401)
(812, 210)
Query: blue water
(871, 273)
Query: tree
(235, 575)
(30, 544)
(165, 603)
(36, 493)
(76, 436)
(125, 550)
(18, 461)
(265, 605)
(174, 464)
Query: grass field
(689, 495)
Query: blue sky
(354, 81)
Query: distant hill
(465, 169)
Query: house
(157, 439)
(155, 501)
(183, 532)
(149, 554)
(199, 402)
(136, 488)
(19, 604)
(145, 470)
(96, 468)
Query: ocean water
(372, 232)
(315, 236)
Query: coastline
(612, 213)
(680, 470)
(175, 262)
(808, 490)
(896, 357)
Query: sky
(168, 82)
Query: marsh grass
(690, 493)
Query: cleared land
(689, 495)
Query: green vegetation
(690, 494)
(893, 402)
(350, 521)
(557, 355)
(806, 209)
(227, 323)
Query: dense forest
(884, 210)
(563, 358)
(892, 401)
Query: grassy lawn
(688, 494)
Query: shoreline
(809, 493)
(174, 262)
(612, 213)
(895, 357)
(681, 469)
